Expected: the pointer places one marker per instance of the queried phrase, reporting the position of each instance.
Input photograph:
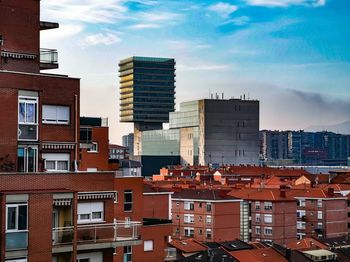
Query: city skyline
(291, 55)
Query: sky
(292, 55)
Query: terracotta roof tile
(258, 255)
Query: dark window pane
(11, 218)
(22, 217)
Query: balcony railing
(48, 59)
(16, 240)
(96, 233)
(170, 254)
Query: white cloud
(154, 20)
(239, 21)
(64, 31)
(204, 67)
(286, 3)
(144, 26)
(223, 9)
(186, 45)
(102, 38)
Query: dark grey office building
(147, 93)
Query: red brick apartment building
(205, 214)
(270, 215)
(51, 208)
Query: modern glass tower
(147, 93)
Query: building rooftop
(188, 245)
(203, 194)
(258, 255)
(210, 255)
(260, 194)
(306, 244)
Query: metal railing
(96, 233)
(48, 56)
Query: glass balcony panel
(16, 240)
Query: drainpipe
(76, 134)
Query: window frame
(33, 101)
(91, 220)
(128, 191)
(26, 157)
(56, 121)
(151, 248)
(17, 205)
(52, 159)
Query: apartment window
(17, 260)
(56, 162)
(257, 205)
(128, 200)
(301, 202)
(200, 231)
(268, 231)
(257, 230)
(301, 225)
(128, 254)
(189, 231)
(27, 118)
(208, 207)
(208, 220)
(53, 114)
(208, 233)
(200, 205)
(90, 257)
(177, 204)
(267, 218)
(27, 158)
(257, 218)
(319, 225)
(93, 148)
(189, 219)
(301, 235)
(319, 203)
(148, 245)
(16, 217)
(189, 206)
(268, 205)
(301, 213)
(90, 212)
(319, 215)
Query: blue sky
(292, 55)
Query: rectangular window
(27, 158)
(128, 200)
(148, 245)
(257, 218)
(257, 230)
(128, 254)
(319, 203)
(301, 225)
(189, 231)
(93, 148)
(301, 213)
(257, 205)
(56, 162)
(53, 114)
(301, 202)
(189, 206)
(16, 217)
(209, 219)
(189, 219)
(319, 215)
(90, 212)
(208, 233)
(268, 231)
(268, 205)
(319, 225)
(208, 207)
(267, 218)
(16, 260)
(27, 118)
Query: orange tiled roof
(306, 244)
(260, 194)
(188, 245)
(258, 255)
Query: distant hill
(342, 128)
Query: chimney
(331, 191)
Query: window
(319, 225)
(319, 203)
(200, 205)
(189, 206)
(257, 230)
(128, 200)
(90, 257)
(319, 215)
(268, 205)
(189, 231)
(17, 260)
(200, 231)
(148, 245)
(257, 218)
(208, 207)
(90, 212)
(189, 219)
(208, 233)
(301, 235)
(301, 225)
(16, 217)
(268, 231)
(27, 118)
(128, 254)
(257, 205)
(56, 162)
(267, 218)
(53, 114)
(209, 219)
(93, 148)
(301, 202)
(27, 158)
(301, 213)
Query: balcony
(48, 59)
(16, 240)
(96, 236)
(44, 25)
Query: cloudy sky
(292, 55)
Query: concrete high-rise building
(128, 141)
(147, 93)
(207, 131)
